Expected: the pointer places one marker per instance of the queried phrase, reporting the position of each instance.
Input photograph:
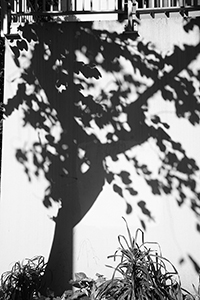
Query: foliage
(24, 279)
(70, 87)
(197, 290)
(143, 273)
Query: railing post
(4, 18)
(131, 14)
(121, 6)
(66, 5)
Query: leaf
(28, 33)
(155, 119)
(166, 125)
(143, 224)
(155, 186)
(87, 71)
(21, 156)
(144, 209)
(129, 208)
(194, 119)
(50, 138)
(118, 190)
(22, 45)
(184, 166)
(132, 191)
(129, 234)
(47, 203)
(110, 177)
(190, 25)
(176, 146)
(109, 136)
(16, 51)
(125, 177)
(145, 170)
(99, 122)
(195, 264)
(167, 189)
(80, 276)
(114, 157)
(161, 146)
(167, 95)
(181, 261)
(172, 158)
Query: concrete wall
(27, 225)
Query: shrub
(24, 280)
(141, 273)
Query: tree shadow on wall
(63, 91)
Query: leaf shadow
(67, 62)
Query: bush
(140, 274)
(24, 280)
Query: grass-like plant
(142, 273)
(24, 279)
(196, 295)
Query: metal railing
(167, 3)
(18, 11)
(53, 7)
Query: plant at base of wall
(141, 273)
(24, 280)
(196, 291)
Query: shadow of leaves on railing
(59, 90)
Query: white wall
(26, 228)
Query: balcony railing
(19, 11)
(53, 7)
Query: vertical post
(4, 18)
(43, 5)
(151, 4)
(120, 9)
(119, 4)
(164, 3)
(20, 6)
(66, 5)
(131, 14)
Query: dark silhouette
(69, 83)
(2, 50)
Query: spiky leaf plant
(196, 295)
(24, 279)
(143, 273)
